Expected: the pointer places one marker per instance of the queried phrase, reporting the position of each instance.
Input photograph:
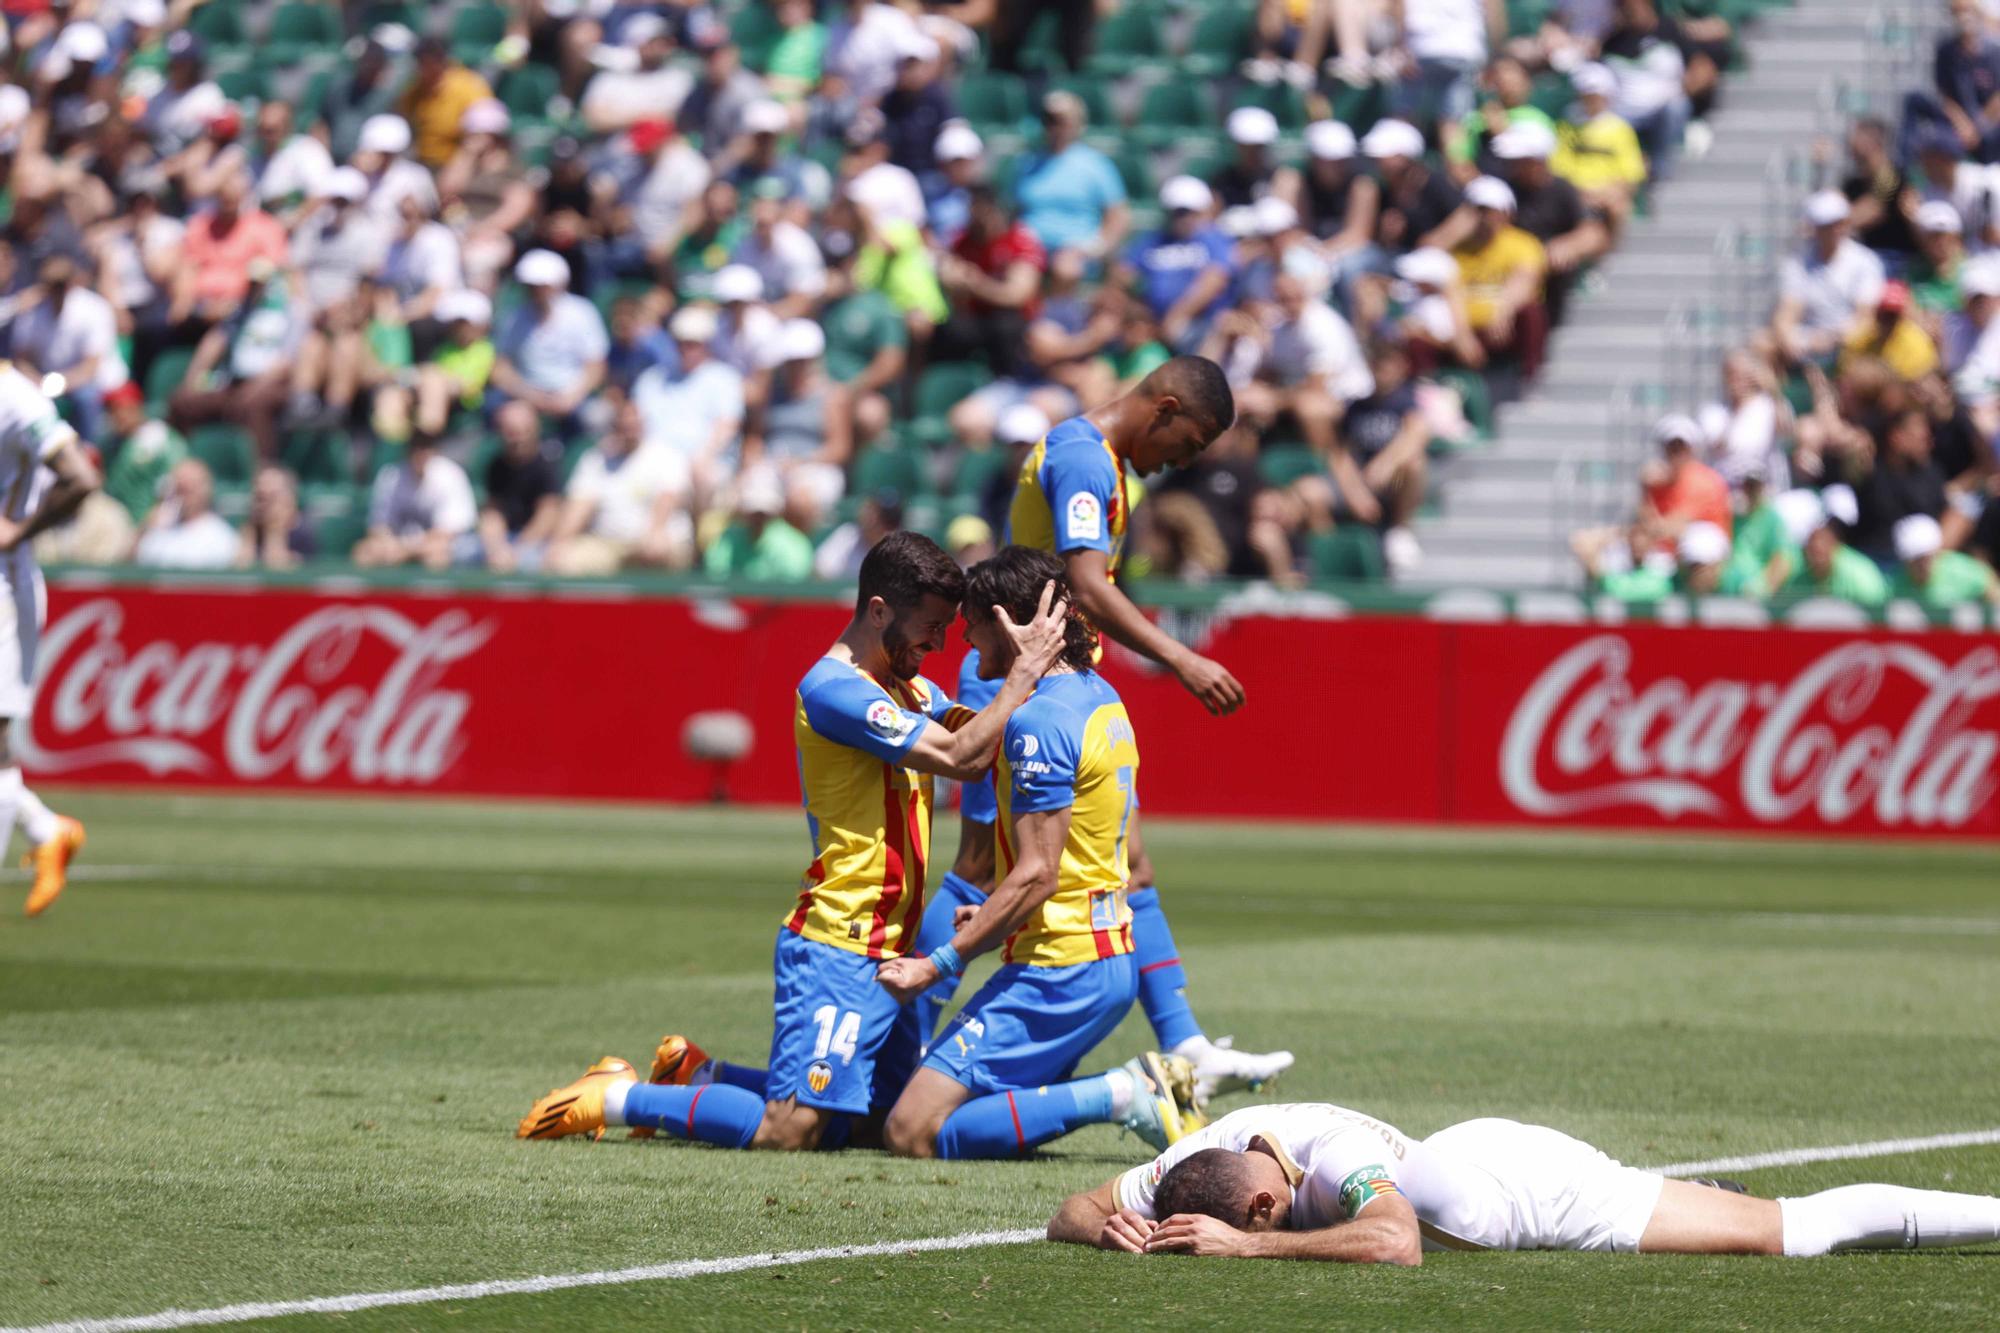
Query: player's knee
(909, 1135)
(789, 1127)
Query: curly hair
(1013, 579)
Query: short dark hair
(1214, 1182)
(1012, 579)
(904, 568)
(1200, 386)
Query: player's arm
(75, 479)
(1114, 614)
(1094, 1218)
(966, 752)
(1386, 1233)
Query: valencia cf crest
(819, 1076)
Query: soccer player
(35, 445)
(1072, 499)
(1313, 1181)
(1066, 780)
(871, 731)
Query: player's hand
(10, 534)
(1126, 1230)
(1039, 642)
(1196, 1233)
(907, 978)
(1210, 682)
(962, 914)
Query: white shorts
(1565, 1194)
(22, 611)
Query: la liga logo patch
(885, 719)
(1085, 519)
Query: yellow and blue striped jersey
(1072, 494)
(1072, 745)
(869, 816)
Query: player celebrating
(1072, 500)
(1066, 778)
(871, 732)
(1312, 1181)
(32, 438)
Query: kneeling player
(1066, 779)
(1313, 1181)
(870, 732)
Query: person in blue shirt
(1182, 270)
(1070, 195)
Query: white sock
(38, 822)
(1120, 1084)
(1886, 1217)
(11, 792)
(614, 1103)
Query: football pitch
(270, 1050)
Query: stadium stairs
(1502, 508)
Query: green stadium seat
(251, 83)
(1135, 167)
(993, 101)
(975, 472)
(1126, 39)
(1474, 393)
(528, 91)
(169, 368)
(889, 467)
(339, 515)
(1220, 41)
(1171, 112)
(475, 30)
(945, 385)
(1283, 464)
(227, 451)
(316, 456)
(756, 30)
(1359, 107)
(1280, 99)
(219, 23)
(378, 12)
(1095, 95)
(1350, 552)
(300, 29)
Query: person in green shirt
(1830, 568)
(758, 544)
(1940, 258)
(1764, 555)
(142, 451)
(1936, 578)
(1507, 104)
(867, 343)
(792, 68)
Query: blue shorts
(1029, 1026)
(839, 1042)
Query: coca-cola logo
(309, 705)
(1836, 740)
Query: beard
(906, 657)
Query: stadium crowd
(582, 287)
(1853, 453)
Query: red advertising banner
(1365, 718)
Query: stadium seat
(756, 30)
(1220, 41)
(475, 30)
(975, 472)
(993, 101)
(943, 387)
(377, 12)
(1349, 552)
(891, 467)
(251, 83)
(1135, 167)
(169, 368)
(227, 451)
(1280, 99)
(1283, 464)
(528, 91)
(219, 23)
(316, 456)
(339, 516)
(1473, 394)
(1126, 39)
(1173, 111)
(300, 29)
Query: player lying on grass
(1072, 499)
(1313, 1181)
(870, 732)
(1067, 779)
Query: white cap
(1802, 513)
(541, 268)
(889, 193)
(14, 106)
(1023, 423)
(1918, 536)
(1238, 222)
(1826, 207)
(1330, 140)
(1703, 544)
(737, 282)
(384, 134)
(693, 324)
(1185, 193)
(465, 304)
(144, 13)
(1429, 266)
(1528, 141)
(758, 491)
(1841, 505)
(83, 42)
(486, 116)
(1490, 192)
(642, 28)
(766, 117)
(958, 142)
(1713, 418)
(800, 340)
(1939, 215)
(1676, 426)
(912, 43)
(1593, 80)
(1252, 125)
(344, 183)
(1274, 215)
(1393, 138)
(1980, 277)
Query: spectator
(993, 277)
(638, 342)
(184, 531)
(960, 157)
(805, 429)
(276, 535)
(1013, 20)
(379, 156)
(180, 110)
(1966, 186)
(783, 256)
(1704, 565)
(1679, 488)
(1503, 268)
(1935, 578)
(70, 331)
(245, 368)
(758, 544)
(452, 378)
(1893, 336)
(1469, 152)
(714, 107)
(420, 265)
(1310, 369)
(1378, 472)
(1251, 172)
(695, 411)
(551, 351)
(1434, 325)
(1966, 85)
(284, 164)
(1182, 270)
(221, 247)
(435, 101)
(1878, 193)
(1893, 476)
(1416, 201)
(1573, 234)
(652, 89)
(838, 559)
(1338, 201)
(420, 511)
(1070, 195)
(142, 449)
(523, 492)
(626, 504)
(485, 198)
(758, 155)
(367, 90)
(1202, 522)
(1827, 289)
(867, 345)
(1447, 42)
(746, 329)
(1643, 52)
(1829, 567)
(916, 109)
(1940, 255)
(1744, 444)
(1599, 151)
(865, 45)
(336, 244)
(1963, 453)
(793, 64)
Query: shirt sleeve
(1135, 1188)
(44, 429)
(1080, 485)
(1354, 1166)
(857, 714)
(1041, 754)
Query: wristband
(946, 960)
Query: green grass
(272, 1049)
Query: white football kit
(1483, 1185)
(30, 431)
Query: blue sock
(1162, 979)
(954, 892)
(741, 1076)
(712, 1113)
(1007, 1124)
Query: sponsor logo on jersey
(819, 1076)
(1085, 520)
(1028, 745)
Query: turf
(273, 1049)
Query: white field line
(528, 1286)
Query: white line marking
(1836, 1153)
(526, 1286)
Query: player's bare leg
(920, 1112)
(1694, 1219)
(1697, 1219)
